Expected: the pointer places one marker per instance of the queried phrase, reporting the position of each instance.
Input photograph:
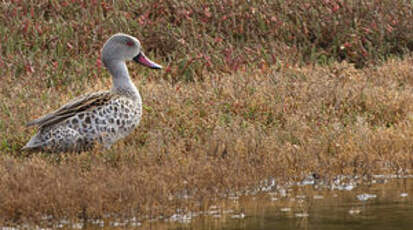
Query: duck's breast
(118, 118)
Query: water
(385, 204)
(379, 206)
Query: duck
(101, 117)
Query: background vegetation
(250, 89)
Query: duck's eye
(130, 43)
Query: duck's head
(123, 47)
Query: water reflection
(382, 204)
(374, 206)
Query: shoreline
(290, 199)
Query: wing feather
(83, 103)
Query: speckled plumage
(100, 117)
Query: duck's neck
(121, 82)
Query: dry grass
(211, 125)
(207, 138)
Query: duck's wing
(82, 103)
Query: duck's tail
(34, 144)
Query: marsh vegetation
(251, 90)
